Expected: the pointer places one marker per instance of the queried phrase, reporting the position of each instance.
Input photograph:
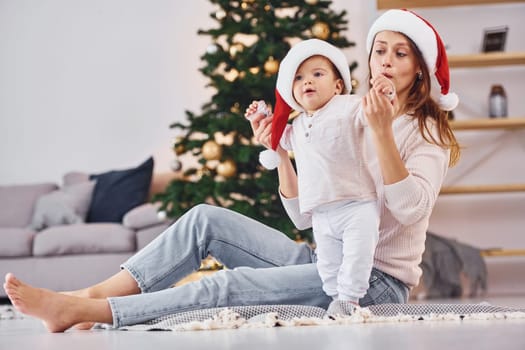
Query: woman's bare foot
(120, 284)
(58, 311)
(81, 293)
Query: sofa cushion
(84, 239)
(17, 203)
(143, 216)
(68, 205)
(119, 191)
(74, 177)
(16, 242)
(147, 235)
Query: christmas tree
(241, 63)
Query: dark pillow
(119, 191)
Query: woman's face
(315, 83)
(393, 57)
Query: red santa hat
(427, 39)
(284, 100)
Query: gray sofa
(59, 249)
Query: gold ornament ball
(179, 149)
(355, 83)
(227, 168)
(321, 30)
(231, 75)
(211, 150)
(236, 108)
(271, 66)
(311, 2)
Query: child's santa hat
(284, 100)
(421, 32)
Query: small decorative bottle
(497, 102)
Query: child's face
(393, 57)
(315, 83)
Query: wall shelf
(488, 124)
(502, 252)
(391, 4)
(474, 189)
(487, 59)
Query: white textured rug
(260, 316)
(296, 315)
(8, 312)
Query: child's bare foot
(58, 311)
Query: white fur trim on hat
(269, 159)
(426, 39)
(300, 52)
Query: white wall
(93, 85)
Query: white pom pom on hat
(284, 100)
(427, 39)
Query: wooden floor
(495, 334)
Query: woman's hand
(384, 85)
(380, 108)
(380, 113)
(260, 123)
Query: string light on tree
(235, 49)
(311, 2)
(212, 164)
(220, 15)
(204, 171)
(231, 75)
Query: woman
(413, 146)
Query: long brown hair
(422, 106)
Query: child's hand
(255, 108)
(260, 123)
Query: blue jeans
(264, 267)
